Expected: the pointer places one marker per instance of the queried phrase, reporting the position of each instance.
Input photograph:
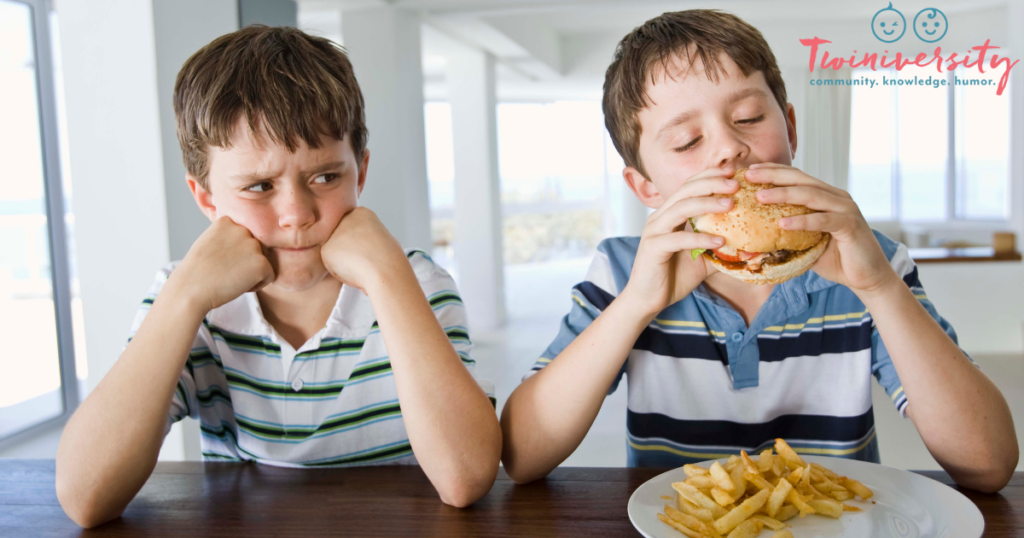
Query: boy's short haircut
(649, 50)
(299, 86)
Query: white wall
(116, 163)
(181, 28)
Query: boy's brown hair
(299, 86)
(649, 50)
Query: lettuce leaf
(696, 252)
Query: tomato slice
(741, 255)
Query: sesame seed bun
(753, 227)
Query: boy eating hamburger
(716, 364)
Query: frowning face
(290, 202)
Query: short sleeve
(589, 298)
(881, 362)
(444, 299)
(183, 401)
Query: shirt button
(297, 385)
(737, 337)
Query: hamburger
(756, 250)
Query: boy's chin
(295, 279)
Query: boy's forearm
(549, 414)
(451, 423)
(110, 445)
(961, 415)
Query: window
(552, 163)
(930, 154)
(38, 383)
(554, 160)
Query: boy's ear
(203, 197)
(642, 187)
(791, 128)
(361, 180)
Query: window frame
(954, 202)
(60, 275)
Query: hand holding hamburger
(756, 249)
(852, 256)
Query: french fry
(690, 521)
(698, 498)
(692, 469)
(778, 496)
(827, 507)
(788, 454)
(787, 512)
(690, 533)
(722, 497)
(722, 477)
(841, 495)
(738, 498)
(771, 523)
(739, 483)
(799, 502)
(703, 481)
(764, 461)
(758, 481)
(778, 465)
(795, 476)
(747, 529)
(742, 512)
(856, 487)
(749, 464)
(825, 471)
(688, 507)
(805, 478)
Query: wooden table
(194, 500)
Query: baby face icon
(888, 24)
(930, 25)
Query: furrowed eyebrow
(264, 175)
(690, 114)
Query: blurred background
(489, 152)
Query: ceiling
(556, 47)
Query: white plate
(907, 505)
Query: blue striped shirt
(703, 385)
(332, 402)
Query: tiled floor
(538, 297)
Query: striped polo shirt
(332, 402)
(703, 385)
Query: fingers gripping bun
(753, 226)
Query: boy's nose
(296, 211)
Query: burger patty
(778, 257)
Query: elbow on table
(83, 508)
(996, 476)
(462, 492)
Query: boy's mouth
(300, 249)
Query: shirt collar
(244, 315)
(787, 299)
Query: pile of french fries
(740, 498)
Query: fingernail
(725, 201)
(751, 171)
(784, 222)
(755, 165)
(717, 240)
(731, 182)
